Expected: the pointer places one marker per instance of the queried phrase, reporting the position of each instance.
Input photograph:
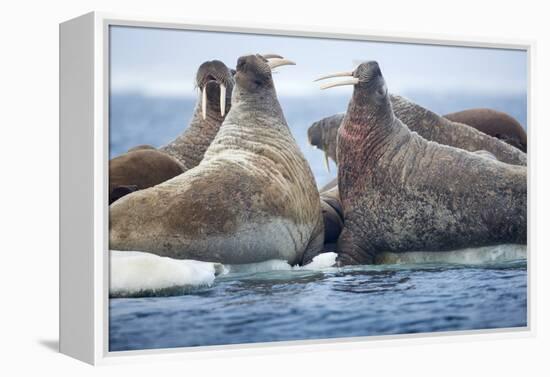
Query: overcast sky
(164, 62)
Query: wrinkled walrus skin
(430, 126)
(144, 166)
(400, 192)
(252, 198)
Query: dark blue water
(298, 305)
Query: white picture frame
(84, 262)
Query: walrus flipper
(315, 246)
(351, 251)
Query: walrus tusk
(277, 62)
(203, 103)
(222, 99)
(327, 164)
(352, 81)
(270, 56)
(337, 74)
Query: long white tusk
(222, 99)
(327, 165)
(203, 103)
(270, 56)
(277, 62)
(352, 81)
(337, 74)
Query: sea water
(483, 288)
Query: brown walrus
(140, 169)
(400, 192)
(322, 134)
(252, 198)
(494, 123)
(144, 166)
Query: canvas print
(269, 188)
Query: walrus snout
(214, 70)
(367, 71)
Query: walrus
(145, 166)
(322, 134)
(252, 198)
(215, 81)
(495, 123)
(139, 169)
(401, 192)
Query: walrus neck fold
(367, 127)
(263, 112)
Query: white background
(29, 185)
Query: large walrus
(400, 192)
(482, 134)
(252, 198)
(144, 166)
(494, 123)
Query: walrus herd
(235, 188)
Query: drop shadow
(52, 345)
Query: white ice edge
(132, 272)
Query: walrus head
(254, 71)
(370, 94)
(322, 135)
(215, 82)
